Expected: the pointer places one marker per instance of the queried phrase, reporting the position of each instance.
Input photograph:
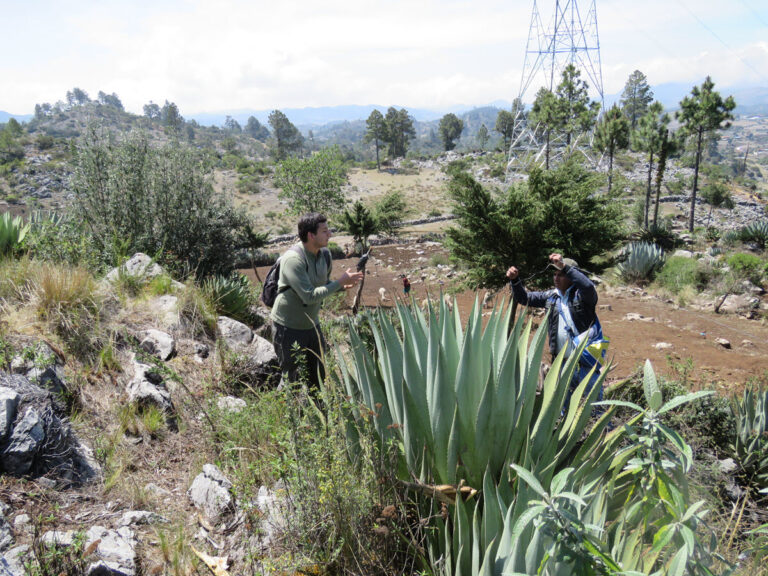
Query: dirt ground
(690, 352)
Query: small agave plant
(12, 233)
(751, 442)
(639, 261)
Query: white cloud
(235, 54)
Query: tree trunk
(695, 180)
(648, 191)
(662, 166)
(546, 164)
(378, 164)
(610, 169)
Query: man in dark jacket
(572, 316)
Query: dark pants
(304, 363)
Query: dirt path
(689, 351)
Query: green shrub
(44, 141)
(62, 239)
(136, 198)
(197, 314)
(745, 265)
(336, 252)
(659, 234)
(679, 272)
(555, 210)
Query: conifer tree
(647, 138)
(636, 97)
(612, 134)
(701, 114)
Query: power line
(755, 13)
(714, 35)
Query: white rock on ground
(139, 265)
(158, 343)
(210, 493)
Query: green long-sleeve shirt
(309, 280)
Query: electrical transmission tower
(569, 39)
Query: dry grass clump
(197, 314)
(70, 302)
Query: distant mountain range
(753, 100)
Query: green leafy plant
(12, 234)
(231, 295)
(680, 272)
(751, 441)
(639, 261)
(745, 265)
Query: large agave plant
(462, 400)
(751, 442)
(639, 260)
(12, 233)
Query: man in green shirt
(304, 282)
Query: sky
(229, 55)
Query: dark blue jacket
(582, 304)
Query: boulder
(12, 561)
(40, 440)
(723, 342)
(158, 343)
(6, 537)
(139, 265)
(116, 551)
(147, 388)
(9, 401)
(663, 346)
(738, 304)
(683, 253)
(210, 493)
(235, 334)
(23, 444)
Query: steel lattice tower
(569, 39)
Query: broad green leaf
(651, 387)
(678, 400)
(529, 479)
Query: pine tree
(612, 134)
(701, 114)
(648, 138)
(577, 111)
(376, 131)
(636, 97)
(450, 130)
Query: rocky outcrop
(37, 439)
(255, 356)
(138, 266)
